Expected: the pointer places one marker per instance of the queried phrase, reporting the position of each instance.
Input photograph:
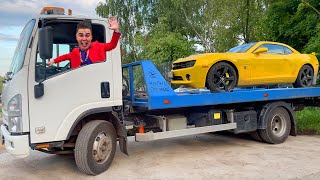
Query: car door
(270, 67)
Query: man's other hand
(113, 24)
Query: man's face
(84, 38)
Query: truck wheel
(95, 147)
(221, 77)
(278, 126)
(255, 135)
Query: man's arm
(113, 25)
(113, 43)
(60, 58)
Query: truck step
(183, 132)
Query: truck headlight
(14, 114)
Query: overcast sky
(14, 14)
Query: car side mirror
(46, 42)
(260, 50)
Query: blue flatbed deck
(160, 95)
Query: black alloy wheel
(305, 77)
(222, 77)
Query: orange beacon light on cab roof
(54, 10)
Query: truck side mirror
(7, 77)
(45, 42)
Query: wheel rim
(102, 147)
(223, 78)
(306, 77)
(278, 124)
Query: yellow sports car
(257, 63)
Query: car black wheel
(221, 77)
(305, 77)
(95, 147)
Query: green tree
(134, 18)
(296, 23)
(1, 79)
(218, 25)
(163, 45)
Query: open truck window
(64, 41)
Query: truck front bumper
(17, 145)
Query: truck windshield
(20, 52)
(242, 48)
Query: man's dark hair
(85, 24)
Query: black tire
(278, 126)
(254, 135)
(222, 77)
(305, 77)
(90, 137)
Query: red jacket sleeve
(113, 43)
(63, 58)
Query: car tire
(222, 77)
(278, 126)
(305, 77)
(95, 147)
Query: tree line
(1, 79)
(165, 30)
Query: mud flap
(122, 133)
(123, 145)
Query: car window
(21, 49)
(273, 48)
(287, 50)
(242, 48)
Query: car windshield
(242, 48)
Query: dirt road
(207, 156)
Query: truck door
(70, 93)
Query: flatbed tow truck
(49, 109)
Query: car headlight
(14, 114)
(190, 63)
(182, 65)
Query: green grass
(308, 121)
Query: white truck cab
(43, 106)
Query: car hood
(210, 56)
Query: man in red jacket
(89, 52)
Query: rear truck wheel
(305, 77)
(95, 147)
(254, 135)
(222, 77)
(278, 126)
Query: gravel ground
(206, 156)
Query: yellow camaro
(258, 63)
